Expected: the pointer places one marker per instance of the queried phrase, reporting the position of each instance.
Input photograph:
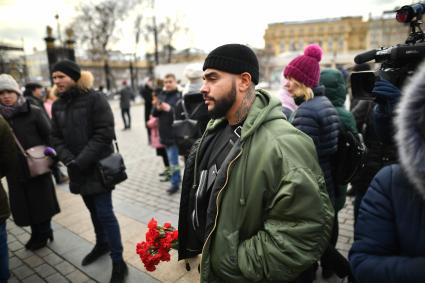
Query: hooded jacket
(270, 217)
(389, 241)
(336, 92)
(82, 131)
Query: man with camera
(389, 244)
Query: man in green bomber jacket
(7, 163)
(254, 201)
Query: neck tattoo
(243, 109)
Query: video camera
(397, 62)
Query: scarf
(9, 111)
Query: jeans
(4, 254)
(105, 223)
(127, 122)
(173, 158)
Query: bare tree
(162, 33)
(171, 27)
(95, 26)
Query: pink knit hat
(305, 68)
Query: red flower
(152, 224)
(167, 225)
(159, 241)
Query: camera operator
(380, 151)
(390, 229)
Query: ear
(245, 81)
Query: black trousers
(126, 117)
(41, 230)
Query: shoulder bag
(38, 163)
(112, 168)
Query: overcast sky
(209, 23)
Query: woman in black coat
(33, 200)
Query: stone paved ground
(136, 200)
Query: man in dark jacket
(164, 109)
(254, 199)
(7, 163)
(389, 241)
(126, 95)
(82, 134)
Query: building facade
(333, 35)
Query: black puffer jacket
(83, 130)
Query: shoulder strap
(186, 115)
(116, 144)
(18, 143)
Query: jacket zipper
(217, 205)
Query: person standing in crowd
(33, 200)
(194, 104)
(389, 234)
(254, 200)
(34, 94)
(318, 118)
(379, 153)
(146, 91)
(7, 165)
(336, 91)
(83, 130)
(126, 95)
(155, 139)
(164, 109)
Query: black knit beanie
(69, 68)
(234, 59)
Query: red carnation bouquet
(159, 241)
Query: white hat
(7, 82)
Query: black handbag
(112, 168)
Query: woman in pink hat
(317, 117)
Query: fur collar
(410, 124)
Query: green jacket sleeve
(296, 230)
(7, 164)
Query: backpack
(185, 131)
(349, 157)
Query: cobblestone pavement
(136, 200)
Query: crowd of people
(259, 195)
